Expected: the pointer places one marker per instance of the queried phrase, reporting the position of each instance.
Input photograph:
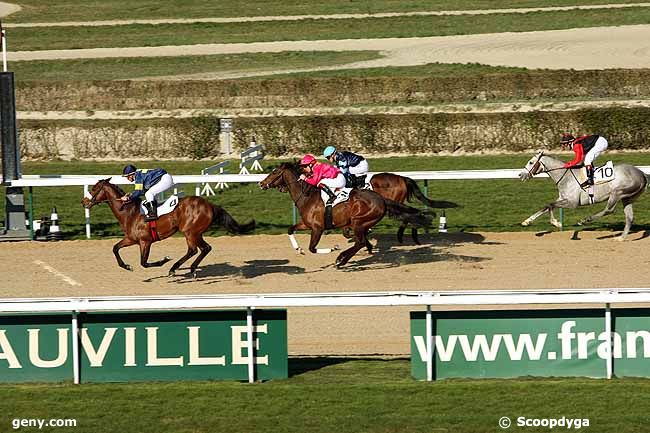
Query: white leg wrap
(294, 244)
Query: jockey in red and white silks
(586, 149)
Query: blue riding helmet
(129, 170)
(329, 151)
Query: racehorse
(400, 189)
(192, 217)
(362, 211)
(628, 185)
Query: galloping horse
(192, 217)
(628, 185)
(363, 210)
(400, 189)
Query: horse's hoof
(167, 258)
(525, 223)
(194, 275)
(336, 247)
(128, 268)
(299, 250)
(621, 239)
(171, 274)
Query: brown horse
(362, 211)
(192, 217)
(400, 189)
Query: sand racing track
(264, 263)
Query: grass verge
(330, 394)
(83, 10)
(137, 35)
(127, 68)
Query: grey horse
(628, 185)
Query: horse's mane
(307, 189)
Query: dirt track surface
(267, 264)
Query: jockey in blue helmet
(353, 166)
(147, 182)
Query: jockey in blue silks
(353, 166)
(147, 182)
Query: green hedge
(319, 92)
(371, 134)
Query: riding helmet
(129, 170)
(308, 159)
(329, 151)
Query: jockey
(147, 182)
(586, 149)
(353, 166)
(324, 176)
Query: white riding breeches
(360, 169)
(333, 184)
(163, 184)
(599, 147)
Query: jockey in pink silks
(324, 176)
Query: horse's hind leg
(191, 250)
(145, 248)
(205, 249)
(414, 235)
(629, 218)
(609, 208)
(534, 216)
(361, 237)
(400, 233)
(126, 242)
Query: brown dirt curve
(267, 264)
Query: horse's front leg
(294, 243)
(534, 216)
(126, 242)
(145, 248)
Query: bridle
(533, 171)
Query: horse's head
(532, 167)
(101, 192)
(278, 177)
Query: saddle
(165, 207)
(602, 174)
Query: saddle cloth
(342, 195)
(166, 207)
(602, 174)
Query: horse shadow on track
(388, 255)
(218, 272)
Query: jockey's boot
(350, 180)
(361, 181)
(590, 177)
(151, 210)
(328, 206)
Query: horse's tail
(225, 220)
(409, 215)
(412, 189)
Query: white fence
(583, 297)
(199, 181)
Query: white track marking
(56, 273)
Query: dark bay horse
(193, 216)
(401, 189)
(362, 211)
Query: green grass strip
(83, 10)
(325, 395)
(401, 27)
(140, 67)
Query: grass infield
(149, 35)
(487, 205)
